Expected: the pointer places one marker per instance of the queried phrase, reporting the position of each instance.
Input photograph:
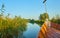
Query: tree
(44, 16)
(56, 19)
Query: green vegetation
(39, 22)
(44, 16)
(56, 19)
(10, 27)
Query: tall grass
(10, 27)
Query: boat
(52, 31)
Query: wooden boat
(49, 32)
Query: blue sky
(31, 8)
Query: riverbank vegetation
(10, 27)
(56, 19)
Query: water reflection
(32, 31)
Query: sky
(31, 9)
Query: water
(32, 31)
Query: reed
(10, 27)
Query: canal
(32, 31)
